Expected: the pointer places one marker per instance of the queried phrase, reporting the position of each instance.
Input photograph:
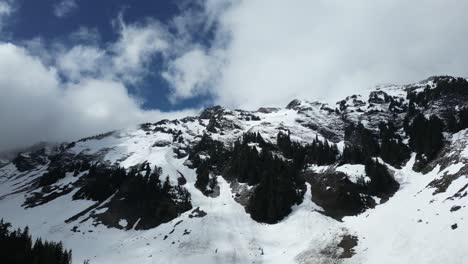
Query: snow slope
(419, 224)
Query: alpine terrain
(380, 177)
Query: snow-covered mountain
(377, 178)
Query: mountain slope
(378, 178)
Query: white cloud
(82, 61)
(262, 53)
(86, 35)
(36, 106)
(274, 51)
(127, 59)
(5, 8)
(191, 73)
(64, 7)
(5, 11)
(56, 91)
(137, 46)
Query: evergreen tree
(381, 184)
(392, 149)
(17, 248)
(426, 135)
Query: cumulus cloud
(64, 7)
(62, 93)
(137, 46)
(252, 53)
(274, 51)
(192, 73)
(128, 59)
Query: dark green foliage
(463, 119)
(29, 161)
(392, 149)
(444, 86)
(215, 151)
(138, 194)
(317, 152)
(457, 120)
(279, 188)
(337, 195)
(17, 248)
(426, 136)
(203, 175)
(321, 153)
(245, 164)
(381, 184)
(144, 197)
(60, 165)
(52, 176)
(100, 182)
(278, 182)
(208, 156)
(362, 144)
(353, 154)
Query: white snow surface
(413, 226)
(354, 172)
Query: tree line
(17, 247)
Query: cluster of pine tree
(100, 182)
(208, 156)
(143, 196)
(279, 184)
(337, 195)
(17, 248)
(280, 187)
(317, 152)
(381, 184)
(140, 194)
(365, 145)
(59, 166)
(214, 152)
(246, 162)
(206, 181)
(444, 86)
(426, 135)
(458, 120)
(392, 148)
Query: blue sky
(74, 68)
(41, 19)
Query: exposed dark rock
(293, 104)
(97, 137)
(162, 143)
(348, 243)
(337, 195)
(30, 161)
(211, 112)
(197, 213)
(267, 110)
(181, 179)
(46, 195)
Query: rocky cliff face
(308, 183)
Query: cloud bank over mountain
(240, 54)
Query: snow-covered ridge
(424, 221)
